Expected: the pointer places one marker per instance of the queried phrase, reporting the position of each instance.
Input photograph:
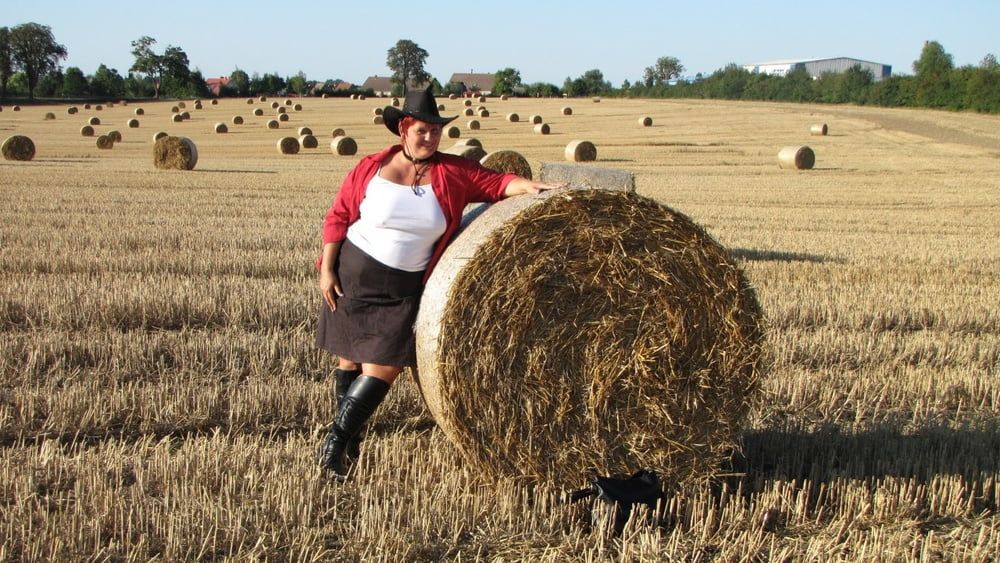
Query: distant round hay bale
(354, 96)
(288, 102)
(297, 107)
(542, 129)
(377, 111)
(181, 105)
(378, 120)
(440, 107)
(197, 105)
(159, 135)
(637, 341)
(18, 147)
(567, 110)
(275, 105)
(818, 129)
(361, 96)
(325, 96)
(536, 119)
(98, 107)
(343, 146)
(262, 99)
(185, 115)
(482, 99)
(507, 161)
(646, 121)
(484, 112)
(71, 110)
(467, 102)
(471, 152)
(338, 132)
(513, 117)
(597, 99)
(175, 109)
(105, 142)
(480, 108)
(395, 102)
(176, 118)
(581, 151)
(452, 97)
(87, 131)
(175, 153)
(308, 141)
(503, 97)
(796, 158)
(288, 145)
(133, 123)
(283, 117)
(237, 120)
(469, 112)
(249, 100)
(471, 141)
(215, 102)
(115, 135)
(221, 127)
(305, 131)
(86, 106)
(16, 108)
(94, 120)
(258, 112)
(280, 110)
(454, 132)
(473, 124)
(49, 116)
(272, 124)
(139, 111)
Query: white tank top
(398, 225)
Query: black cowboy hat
(419, 104)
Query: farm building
(215, 85)
(474, 82)
(383, 85)
(816, 67)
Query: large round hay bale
(133, 123)
(481, 99)
(483, 112)
(197, 105)
(115, 135)
(467, 102)
(86, 106)
(221, 127)
(471, 152)
(87, 131)
(280, 110)
(536, 119)
(49, 116)
(469, 112)
(18, 108)
(177, 118)
(262, 98)
(288, 102)
(507, 161)
(338, 132)
(395, 102)
(237, 120)
(258, 112)
(567, 110)
(452, 96)
(272, 124)
(288, 145)
(503, 97)
(18, 147)
(250, 101)
(543, 129)
(513, 117)
(473, 124)
(98, 107)
(71, 110)
(796, 158)
(634, 342)
(377, 111)
(343, 146)
(818, 129)
(159, 135)
(283, 117)
(175, 109)
(305, 131)
(597, 99)
(471, 141)
(646, 121)
(182, 105)
(361, 96)
(581, 151)
(105, 142)
(378, 120)
(308, 141)
(215, 102)
(186, 114)
(275, 105)
(175, 153)
(94, 120)
(139, 111)
(454, 132)
(297, 107)
(440, 107)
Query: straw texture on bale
(275, 105)
(467, 102)
(288, 145)
(94, 120)
(634, 342)
(297, 107)
(305, 131)
(377, 120)
(646, 121)
(507, 161)
(221, 127)
(818, 129)
(72, 110)
(473, 124)
(87, 131)
(470, 141)
(581, 151)
(237, 120)
(567, 110)
(197, 105)
(338, 132)
(258, 112)
(454, 132)
(175, 153)
(140, 111)
(98, 107)
(115, 135)
(536, 119)
(176, 118)
(377, 111)
(159, 135)
(288, 102)
(105, 142)
(283, 117)
(272, 124)
(481, 99)
(186, 115)
(18, 147)
(49, 116)
(796, 158)
(471, 152)
(308, 141)
(262, 98)
(133, 123)
(343, 146)
(281, 110)
(513, 117)
(542, 129)
(483, 112)
(175, 109)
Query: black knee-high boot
(343, 380)
(360, 401)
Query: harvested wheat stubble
(454, 132)
(507, 161)
(94, 120)
(796, 158)
(105, 142)
(338, 132)
(159, 135)
(513, 117)
(305, 131)
(175, 153)
(646, 121)
(288, 145)
(634, 342)
(18, 147)
(581, 151)
(237, 120)
(343, 146)
(49, 116)
(470, 141)
(115, 135)
(308, 141)
(818, 129)
(567, 111)
(71, 110)
(473, 124)
(221, 127)
(87, 131)
(471, 152)
(581, 176)
(133, 123)
(542, 129)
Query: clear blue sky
(546, 41)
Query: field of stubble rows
(160, 396)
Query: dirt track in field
(914, 124)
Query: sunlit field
(161, 396)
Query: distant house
(215, 85)
(816, 67)
(473, 82)
(343, 86)
(379, 85)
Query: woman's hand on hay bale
(329, 283)
(520, 186)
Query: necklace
(417, 175)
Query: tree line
(30, 55)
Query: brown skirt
(374, 319)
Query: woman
(395, 213)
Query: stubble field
(161, 397)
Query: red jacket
(456, 181)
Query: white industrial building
(816, 67)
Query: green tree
(171, 67)
(298, 83)
(933, 73)
(50, 85)
(989, 62)
(74, 83)
(406, 60)
(35, 52)
(147, 62)
(542, 90)
(505, 80)
(665, 69)
(239, 82)
(269, 84)
(107, 82)
(6, 61)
